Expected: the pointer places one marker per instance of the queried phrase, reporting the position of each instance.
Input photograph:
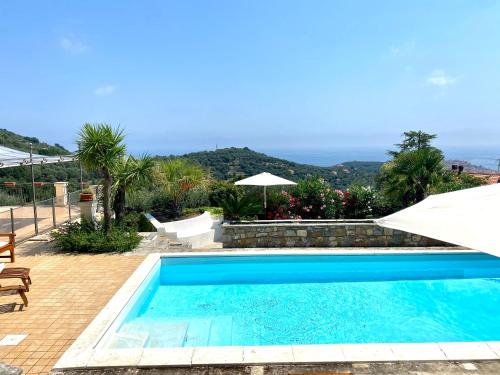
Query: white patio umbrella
(264, 179)
(469, 218)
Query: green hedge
(85, 238)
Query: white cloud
(72, 44)
(441, 79)
(105, 90)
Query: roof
(491, 178)
(14, 158)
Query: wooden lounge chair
(7, 245)
(17, 273)
(15, 288)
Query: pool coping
(85, 353)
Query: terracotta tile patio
(67, 293)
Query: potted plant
(86, 195)
(9, 183)
(39, 183)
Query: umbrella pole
(265, 200)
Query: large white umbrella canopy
(467, 218)
(15, 158)
(264, 179)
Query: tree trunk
(119, 205)
(108, 182)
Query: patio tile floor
(67, 293)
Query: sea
(486, 157)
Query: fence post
(12, 229)
(69, 206)
(54, 212)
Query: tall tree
(414, 169)
(101, 148)
(128, 173)
(414, 140)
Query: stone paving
(67, 293)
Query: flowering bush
(278, 205)
(314, 199)
(359, 202)
(310, 199)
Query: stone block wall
(330, 233)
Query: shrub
(162, 207)
(279, 205)
(9, 200)
(139, 200)
(85, 238)
(216, 211)
(219, 191)
(136, 221)
(452, 181)
(312, 198)
(359, 202)
(196, 197)
(241, 207)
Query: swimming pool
(267, 300)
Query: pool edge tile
(322, 353)
(467, 351)
(427, 351)
(217, 355)
(268, 354)
(152, 357)
(77, 359)
(115, 358)
(368, 352)
(495, 346)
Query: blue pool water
(278, 300)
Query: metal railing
(32, 219)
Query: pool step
(221, 331)
(128, 340)
(189, 332)
(198, 332)
(161, 334)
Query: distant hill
(232, 163)
(19, 142)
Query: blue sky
(271, 75)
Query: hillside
(232, 163)
(19, 142)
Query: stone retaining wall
(331, 233)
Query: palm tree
(100, 149)
(128, 173)
(409, 177)
(236, 207)
(178, 176)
